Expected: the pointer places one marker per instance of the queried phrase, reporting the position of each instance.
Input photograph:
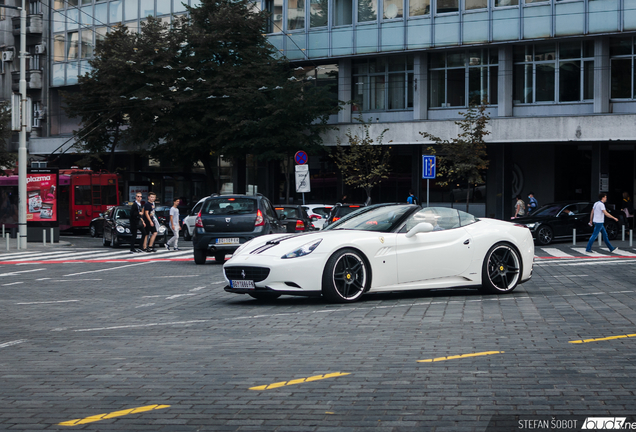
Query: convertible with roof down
(385, 247)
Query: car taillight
(316, 216)
(335, 219)
(300, 225)
(199, 222)
(260, 220)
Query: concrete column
(420, 87)
(344, 89)
(499, 200)
(504, 97)
(600, 168)
(601, 76)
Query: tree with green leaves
(7, 159)
(463, 158)
(364, 163)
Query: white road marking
(75, 256)
(41, 279)
(184, 276)
(159, 255)
(107, 269)
(14, 255)
(197, 288)
(621, 252)
(11, 343)
(556, 253)
(144, 305)
(37, 256)
(21, 271)
(12, 283)
(141, 325)
(592, 254)
(178, 295)
(74, 280)
(48, 302)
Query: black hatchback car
(340, 210)
(558, 220)
(294, 217)
(227, 221)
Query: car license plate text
(233, 240)
(249, 284)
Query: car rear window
(222, 206)
(287, 213)
(322, 211)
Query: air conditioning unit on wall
(7, 56)
(40, 48)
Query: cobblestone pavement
(98, 344)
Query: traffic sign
(301, 157)
(302, 179)
(429, 167)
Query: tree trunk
(209, 175)
(467, 195)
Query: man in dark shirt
(151, 226)
(136, 222)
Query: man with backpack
(412, 199)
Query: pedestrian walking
(532, 203)
(412, 199)
(137, 223)
(174, 226)
(520, 207)
(151, 223)
(597, 219)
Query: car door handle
(467, 242)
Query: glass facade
(622, 68)
(460, 78)
(562, 72)
(383, 84)
(77, 25)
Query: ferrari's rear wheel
(501, 270)
(346, 277)
(264, 296)
(545, 235)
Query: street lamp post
(22, 149)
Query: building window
(504, 3)
(367, 10)
(318, 13)
(383, 84)
(342, 12)
(622, 68)
(58, 48)
(561, 72)
(445, 6)
(295, 14)
(72, 46)
(458, 79)
(419, 7)
(475, 4)
(275, 8)
(393, 9)
(87, 44)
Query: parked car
(227, 221)
(318, 213)
(384, 248)
(190, 220)
(340, 210)
(294, 217)
(117, 228)
(557, 220)
(96, 227)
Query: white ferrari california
(385, 247)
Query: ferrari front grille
(256, 274)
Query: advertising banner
(42, 196)
(133, 190)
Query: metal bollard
(44, 237)
(599, 240)
(18, 238)
(2, 230)
(574, 237)
(630, 238)
(623, 235)
(7, 237)
(52, 235)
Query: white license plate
(249, 284)
(138, 236)
(227, 241)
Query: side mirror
(422, 227)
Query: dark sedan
(558, 220)
(294, 217)
(117, 228)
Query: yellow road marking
(460, 356)
(114, 414)
(604, 339)
(299, 381)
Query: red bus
(82, 195)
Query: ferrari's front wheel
(501, 270)
(346, 277)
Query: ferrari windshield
(381, 218)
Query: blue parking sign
(429, 167)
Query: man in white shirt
(174, 226)
(597, 218)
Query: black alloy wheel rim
(545, 235)
(503, 268)
(349, 276)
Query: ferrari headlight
(305, 249)
(241, 247)
(120, 229)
